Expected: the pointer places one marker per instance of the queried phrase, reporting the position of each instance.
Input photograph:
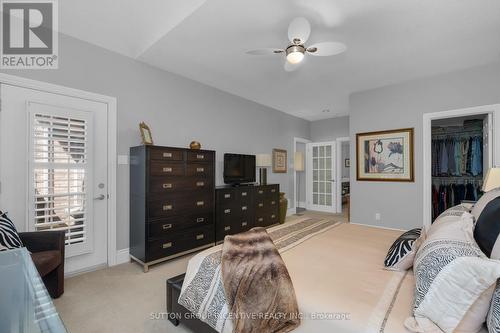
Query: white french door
(53, 169)
(320, 174)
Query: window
(59, 168)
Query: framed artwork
(347, 162)
(146, 137)
(279, 161)
(385, 156)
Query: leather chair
(47, 253)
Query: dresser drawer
(164, 227)
(179, 242)
(159, 168)
(166, 154)
(200, 156)
(175, 184)
(199, 170)
(225, 196)
(194, 203)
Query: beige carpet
(124, 299)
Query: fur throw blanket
(258, 288)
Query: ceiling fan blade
(326, 49)
(292, 67)
(299, 30)
(264, 51)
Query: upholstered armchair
(47, 253)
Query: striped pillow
(9, 239)
(401, 254)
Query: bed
(337, 272)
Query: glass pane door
(320, 158)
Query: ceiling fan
(298, 33)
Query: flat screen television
(239, 169)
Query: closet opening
(460, 157)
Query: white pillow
(454, 279)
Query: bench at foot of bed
(177, 314)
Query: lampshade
(492, 180)
(298, 161)
(263, 160)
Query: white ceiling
(388, 41)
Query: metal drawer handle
(200, 203)
(273, 216)
(227, 211)
(244, 224)
(260, 191)
(167, 169)
(227, 228)
(200, 219)
(167, 245)
(167, 226)
(273, 202)
(200, 184)
(227, 196)
(261, 219)
(167, 154)
(273, 190)
(243, 194)
(167, 185)
(200, 169)
(167, 207)
(200, 156)
(261, 205)
(244, 208)
(200, 236)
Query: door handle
(100, 197)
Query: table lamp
(263, 161)
(492, 180)
(299, 166)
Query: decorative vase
(195, 145)
(283, 207)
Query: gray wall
(400, 106)
(345, 153)
(329, 129)
(177, 109)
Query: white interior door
(321, 176)
(53, 169)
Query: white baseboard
(301, 204)
(290, 211)
(376, 226)
(122, 256)
(83, 270)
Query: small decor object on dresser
(385, 155)
(279, 161)
(195, 145)
(146, 137)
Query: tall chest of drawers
(241, 208)
(172, 202)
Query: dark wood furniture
(172, 202)
(178, 313)
(241, 208)
(47, 253)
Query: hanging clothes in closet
(457, 156)
(457, 165)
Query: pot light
(295, 54)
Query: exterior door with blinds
(56, 175)
(320, 174)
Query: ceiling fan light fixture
(295, 54)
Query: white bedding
(338, 276)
